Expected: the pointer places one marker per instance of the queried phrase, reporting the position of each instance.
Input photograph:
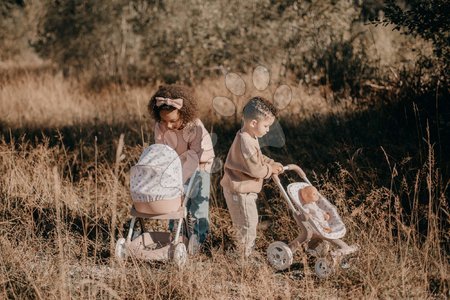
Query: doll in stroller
(321, 229)
(158, 193)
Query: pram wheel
(120, 249)
(279, 255)
(323, 267)
(180, 255)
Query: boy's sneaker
(321, 250)
(345, 250)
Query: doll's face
(309, 194)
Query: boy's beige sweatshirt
(246, 167)
(192, 143)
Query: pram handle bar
(186, 198)
(298, 170)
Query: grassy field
(62, 191)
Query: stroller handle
(296, 169)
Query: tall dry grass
(40, 99)
(58, 214)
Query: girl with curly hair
(175, 110)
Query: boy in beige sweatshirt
(245, 169)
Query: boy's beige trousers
(244, 214)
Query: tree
(14, 28)
(87, 36)
(426, 18)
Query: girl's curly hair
(188, 112)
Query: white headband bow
(177, 103)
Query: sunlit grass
(57, 203)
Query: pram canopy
(157, 175)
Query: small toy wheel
(323, 268)
(120, 249)
(180, 255)
(279, 255)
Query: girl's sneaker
(194, 245)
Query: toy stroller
(312, 232)
(158, 193)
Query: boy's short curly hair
(188, 112)
(258, 108)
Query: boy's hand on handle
(277, 168)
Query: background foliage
(139, 41)
(368, 121)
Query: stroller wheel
(120, 249)
(180, 255)
(279, 255)
(323, 268)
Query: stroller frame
(280, 254)
(145, 244)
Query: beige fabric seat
(167, 209)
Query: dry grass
(42, 100)
(50, 101)
(57, 210)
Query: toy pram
(158, 193)
(318, 241)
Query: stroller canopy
(157, 175)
